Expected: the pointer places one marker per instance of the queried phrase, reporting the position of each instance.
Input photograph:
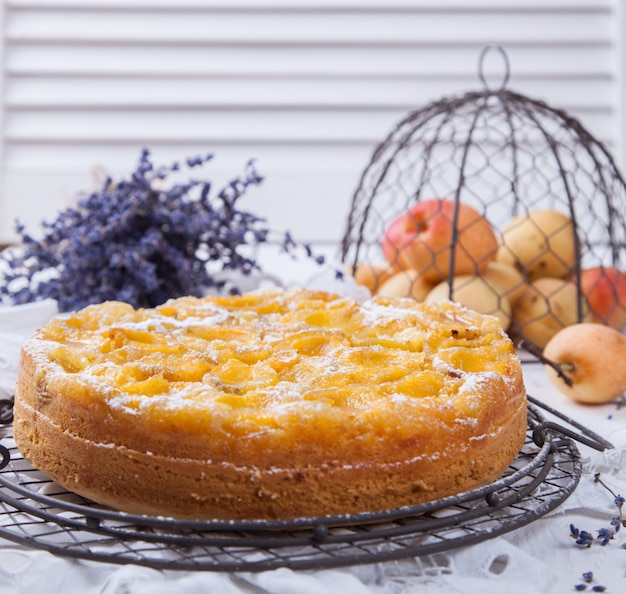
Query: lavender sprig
(586, 539)
(588, 579)
(139, 240)
(582, 537)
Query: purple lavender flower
(604, 536)
(139, 240)
(588, 579)
(582, 537)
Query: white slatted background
(308, 88)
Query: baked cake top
(288, 363)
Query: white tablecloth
(538, 558)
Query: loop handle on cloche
(481, 64)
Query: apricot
(423, 239)
(548, 305)
(540, 244)
(371, 276)
(605, 289)
(476, 293)
(508, 278)
(593, 357)
(406, 283)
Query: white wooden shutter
(308, 88)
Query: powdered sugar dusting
(279, 359)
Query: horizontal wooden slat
(195, 125)
(228, 157)
(292, 29)
(265, 92)
(527, 61)
(352, 5)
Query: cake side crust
(148, 483)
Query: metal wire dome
(505, 155)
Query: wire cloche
(551, 193)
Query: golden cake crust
(273, 404)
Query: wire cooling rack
(39, 514)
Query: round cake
(274, 404)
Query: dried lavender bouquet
(141, 240)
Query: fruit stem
(561, 368)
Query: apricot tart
(272, 404)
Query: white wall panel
(308, 88)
